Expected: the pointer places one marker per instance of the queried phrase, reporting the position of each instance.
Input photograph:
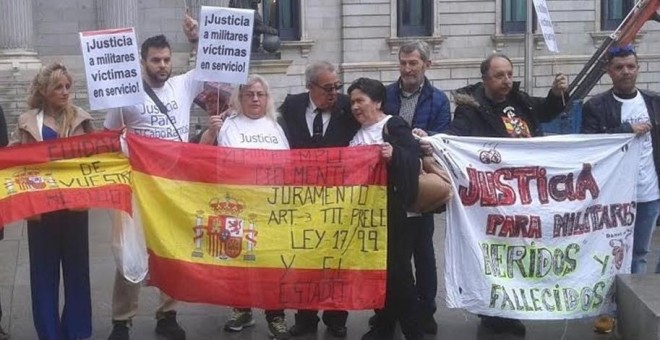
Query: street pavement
(204, 322)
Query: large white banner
(225, 43)
(112, 68)
(538, 228)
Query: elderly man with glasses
(319, 118)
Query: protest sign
(545, 22)
(67, 173)
(225, 43)
(112, 67)
(538, 227)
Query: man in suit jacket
(319, 118)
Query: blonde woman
(58, 238)
(251, 125)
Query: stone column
(117, 13)
(17, 36)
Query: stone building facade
(361, 36)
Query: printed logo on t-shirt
(515, 126)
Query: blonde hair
(44, 82)
(235, 100)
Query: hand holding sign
(190, 27)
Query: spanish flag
(303, 229)
(69, 173)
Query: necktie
(317, 126)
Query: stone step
(638, 300)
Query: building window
(283, 15)
(415, 18)
(514, 16)
(613, 12)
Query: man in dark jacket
(626, 109)
(497, 108)
(426, 109)
(319, 118)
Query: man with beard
(176, 95)
(626, 109)
(497, 107)
(319, 118)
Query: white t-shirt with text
(243, 132)
(146, 119)
(634, 111)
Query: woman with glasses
(58, 238)
(251, 123)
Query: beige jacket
(27, 128)
(27, 131)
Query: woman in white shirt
(402, 153)
(250, 123)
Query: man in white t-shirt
(176, 95)
(625, 108)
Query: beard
(156, 77)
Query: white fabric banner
(539, 227)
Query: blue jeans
(426, 275)
(647, 214)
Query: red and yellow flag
(69, 173)
(303, 229)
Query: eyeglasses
(329, 88)
(617, 51)
(250, 94)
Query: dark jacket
(341, 128)
(474, 114)
(602, 114)
(432, 113)
(403, 168)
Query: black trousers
(331, 318)
(401, 299)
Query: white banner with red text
(538, 228)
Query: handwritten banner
(271, 229)
(539, 227)
(70, 173)
(112, 68)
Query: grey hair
(416, 45)
(314, 69)
(235, 100)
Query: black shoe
(372, 321)
(119, 330)
(168, 327)
(338, 331)
(3, 335)
(428, 324)
(499, 325)
(300, 329)
(376, 334)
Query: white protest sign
(538, 228)
(225, 41)
(545, 22)
(112, 67)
